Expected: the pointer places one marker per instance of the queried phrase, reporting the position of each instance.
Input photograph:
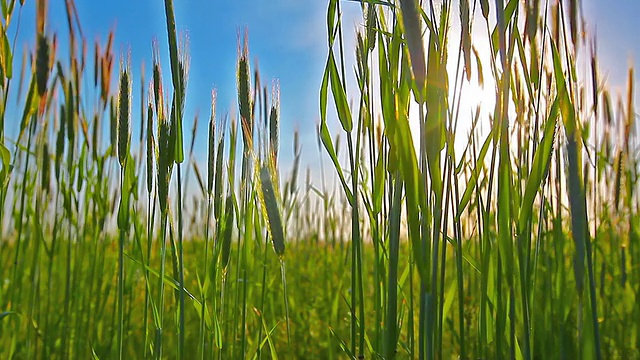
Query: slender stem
(181, 268)
(206, 274)
(163, 252)
(120, 315)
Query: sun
(474, 95)
(473, 98)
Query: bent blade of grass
(268, 339)
(339, 95)
(539, 169)
(168, 280)
(471, 184)
(328, 144)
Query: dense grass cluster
(524, 245)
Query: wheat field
(523, 243)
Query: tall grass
(488, 230)
(521, 244)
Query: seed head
(150, 142)
(244, 90)
(46, 168)
(60, 143)
(270, 204)
(157, 77)
(219, 185)
(274, 123)
(212, 144)
(42, 64)
(124, 113)
(165, 162)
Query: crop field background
(523, 243)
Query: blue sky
(616, 26)
(288, 39)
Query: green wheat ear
(124, 112)
(150, 146)
(42, 64)
(212, 145)
(244, 91)
(219, 173)
(273, 213)
(165, 162)
(274, 124)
